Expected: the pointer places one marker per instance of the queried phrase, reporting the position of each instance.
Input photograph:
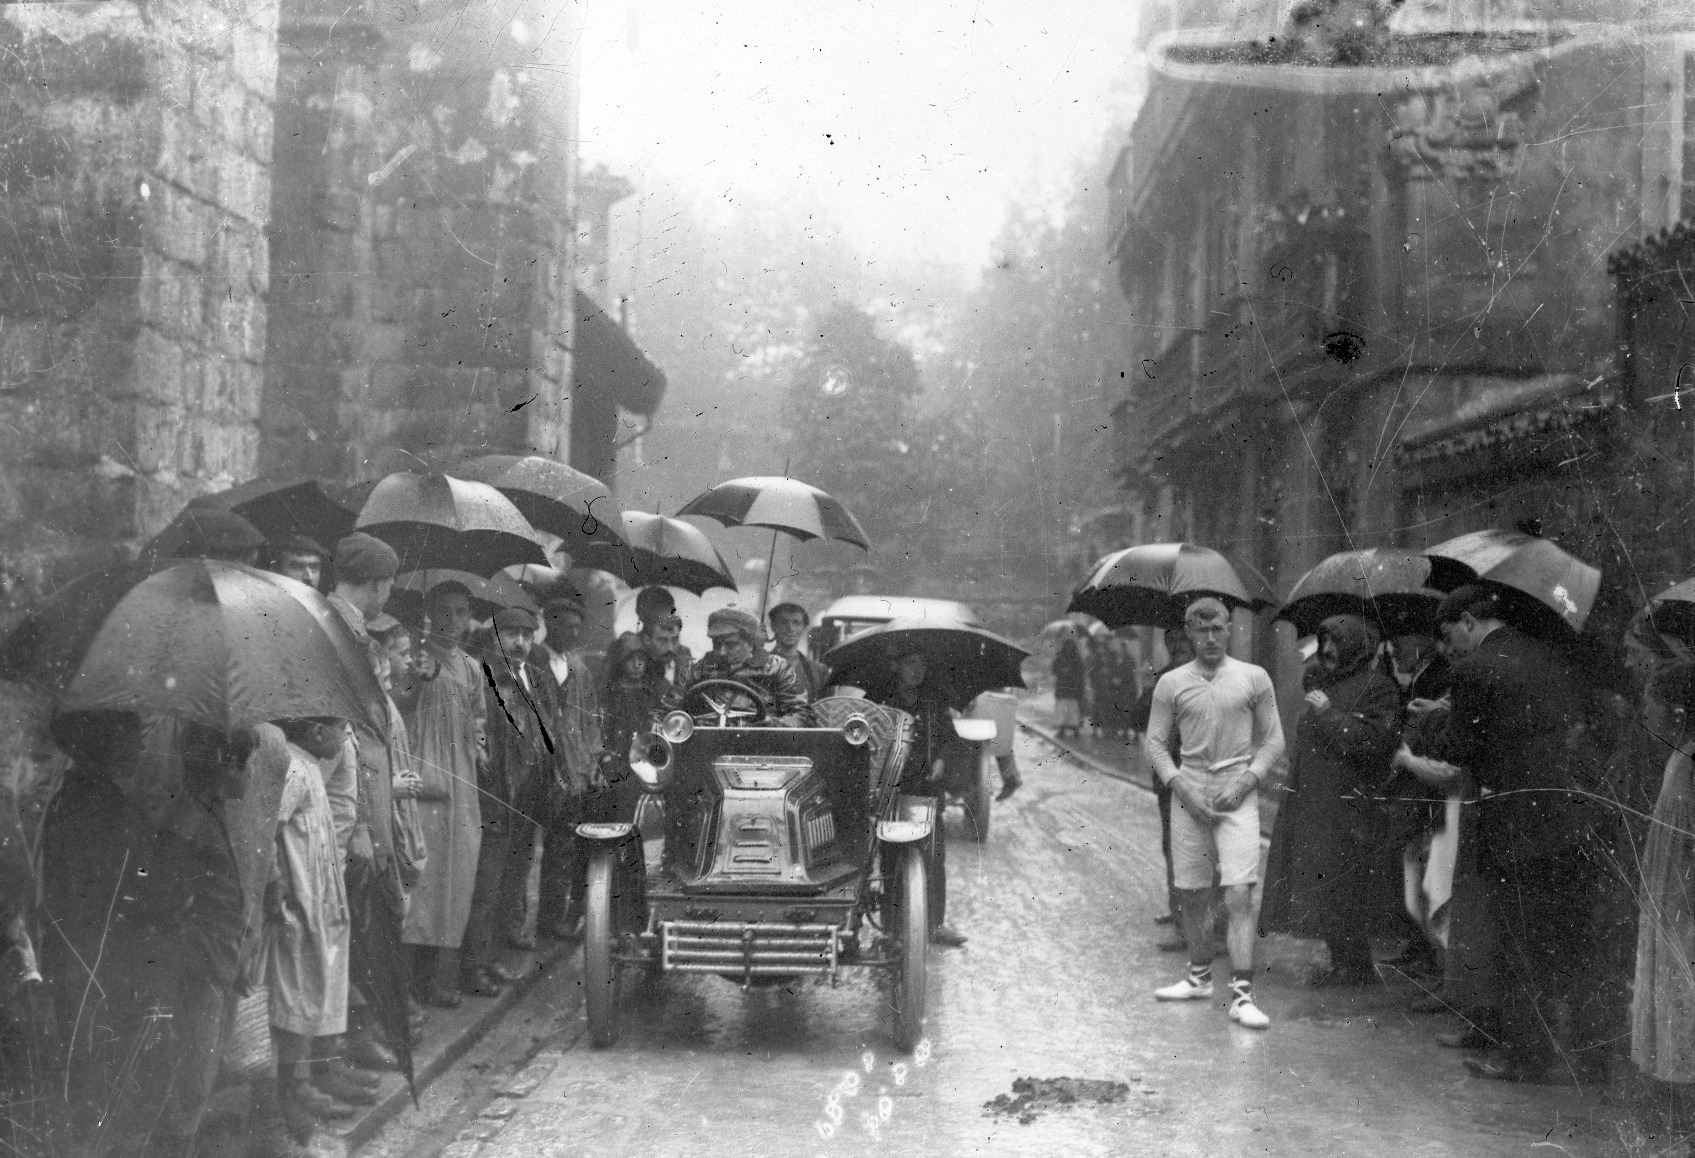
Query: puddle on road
(1032, 1097)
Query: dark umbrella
(663, 552)
(1673, 611)
(966, 660)
(1536, 567)
(283, 507)
(1383, 583)
(554, 497)
(226, 646)
(436, 520)
(1148, 585)
(45, 649)
(487, 595)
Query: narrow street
(1055, 983)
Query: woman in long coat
(1329, 874)
(445, 709)
(1662, 1012)
(1070, 686)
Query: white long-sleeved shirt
(1223, 723)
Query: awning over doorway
(609, 367)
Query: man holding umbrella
(1224, 712)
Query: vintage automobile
(968, 767)
(787, 852)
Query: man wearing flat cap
(738, 653)
(211, 533)
(365, 569)
(559, 798)
(520, 756)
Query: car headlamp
(856, 730)
(650, 760)
(677, 727)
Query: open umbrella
(782, 504)
(1148, 585)
(1672, 611)
(1537, 567)
(554, 497)
(487, 595)
(967, 660)
(46, 647)
(226, 646)
(1384, 583)
(280, 507)
(436, 520)
(661, 551)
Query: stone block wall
(135, 159)
(135, 169)
(422, 294)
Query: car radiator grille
(751, 949)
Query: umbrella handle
(770, 562)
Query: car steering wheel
(697, 695)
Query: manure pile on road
(1032, 1097)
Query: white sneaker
(1185, 990)
(1246, 1014)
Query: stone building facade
(297, 238)
(1371, 303)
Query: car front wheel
(912, 926)
(600, 971)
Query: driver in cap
(738, 653)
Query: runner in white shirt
(1225, 713)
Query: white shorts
(1231, 846)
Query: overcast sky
(914, 123)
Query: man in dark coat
(1329, 874)
(519, 755)
(1179, 651)
(1517, 726)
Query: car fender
(903, 831)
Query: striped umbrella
(436, 520)
(783, 504)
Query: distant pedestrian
(1224, 714)
(1070, 687)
